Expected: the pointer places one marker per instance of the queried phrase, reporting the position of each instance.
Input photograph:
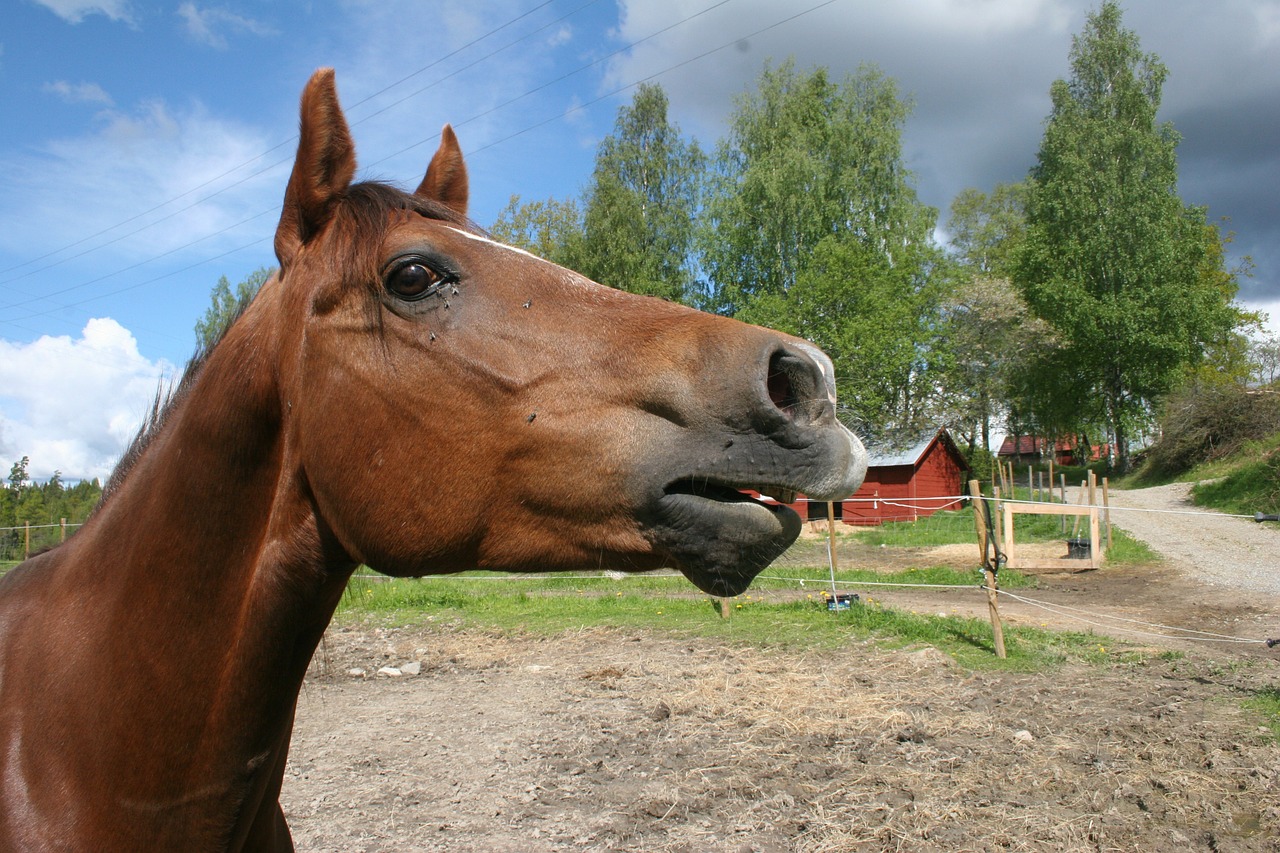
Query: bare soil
(633, 741)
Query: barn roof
(905, 450)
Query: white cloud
(75, 11)
(562, 35)
(73, 405)
(78, 93)
(210, 25)
(162, 161)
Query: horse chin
(721, 540)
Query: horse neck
(169, 637)
(209, 547)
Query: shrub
(1203, 422)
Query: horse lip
(719, 537)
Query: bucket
(841, 600)
(1077, 549)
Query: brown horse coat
(404, 393)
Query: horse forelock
(365, 213)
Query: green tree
(990, 334)
(1127, 276)
(879, 323)
(226, 304)
(989, 329)
(18, 476)
(986, 229)
(812, 226)
(1264, 359)
(550, 229)
(640, 207)
(806, 159)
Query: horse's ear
(323, 170)
(446, 180)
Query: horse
(404, 393)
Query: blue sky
(144, 147)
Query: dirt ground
(628, 741)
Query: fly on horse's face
(461, 403)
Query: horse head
(455, 403)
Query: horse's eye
(413, 280)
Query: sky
(145, 146)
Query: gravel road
(1216, 549)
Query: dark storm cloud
(979, 74)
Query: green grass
(1245, 482)
(547, 606)
(1125, 550)
(956, 528)
(1267, 703)
(951, 527)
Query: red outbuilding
(1066, 451)
(905, 481)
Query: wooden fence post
(1106, 510)
(831, 536)
(62, 534)
(26, 543)
(988, 571)
(979, 524)
(996, 520)
(1075, 522)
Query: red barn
(904, 482)
(1026, 448)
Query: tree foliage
(813, 226)
(807, 158)
(1264, 360)
(991, 335)
(41, 505)
(877, 321)
(633, 227)
(642, 203)
(990, 331)
(1128, 277)
(550, 229)
(986, 228)
(225, 304)
(1204, 421)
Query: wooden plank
(1049, 509)
(1011, 546)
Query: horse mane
(167, 396)
(364, 209)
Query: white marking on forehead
(470, 235)
(569, 276)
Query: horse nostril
(781, 392)
(794, 385)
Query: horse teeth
(786, 497)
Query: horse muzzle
(701, 517)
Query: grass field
(786, 606)
(1245, 482)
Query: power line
(423, 141)
(730, 43)
(133, 266)
(255, 159)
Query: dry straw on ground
(605, 741)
